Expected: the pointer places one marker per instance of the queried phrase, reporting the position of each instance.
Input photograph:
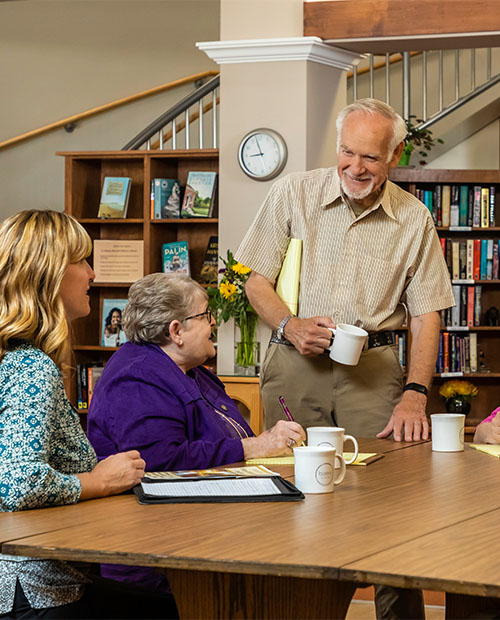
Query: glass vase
(246, 349)
(458, 404)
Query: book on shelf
(114, 197)
(470, 260)
(118, 261)
(476, 209)
(445, 205)
(112, 334)
(455, 258)
(492, 205)
(462, 253)
(87, 376)
(175, 257)
(455, 206)
(485, 207)
(473, 352)
(464, 205)
(165, 199)
(210, 267)
(494, 274)
(200, 195)
(484, 254)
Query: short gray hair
(375, 107)
(154, 302)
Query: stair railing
(179, 118)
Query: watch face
(262, 154)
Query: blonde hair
(36, 248)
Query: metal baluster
(406, 85)
(424, 86)
(186, 128)
(160, 139)
(148, 145)
(214, 118)
(355, 83)
(372, 78)
(388, 78)
(457, 74)
(488, 64)
(441, 81)
(174, 135)
(200, 121)
(473, 69)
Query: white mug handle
(356, 448)
(340, 473)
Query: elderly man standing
(371, 256)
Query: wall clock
(262, 154)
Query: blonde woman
(45, 458)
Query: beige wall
(261, 19)
(61, 57)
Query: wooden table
(405, 520)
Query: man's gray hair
(155, 301)
(375, 107)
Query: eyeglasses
(208, 314)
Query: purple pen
(285, 409)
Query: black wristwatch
(416, 387)
(280, 332)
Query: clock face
(262, 154)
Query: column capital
(279, 50)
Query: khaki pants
(320, 392)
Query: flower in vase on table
(229, 301)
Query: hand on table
(309, 336)
(277, 441)
(408, 421)
(113, 475)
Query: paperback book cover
(175, 257)
(166, 198)
(114, 198)
(209, 269)
(199, 195)
(112, 334)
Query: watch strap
(416, 387)
(281, 327)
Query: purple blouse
(143, 401)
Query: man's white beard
(357, 195)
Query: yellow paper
(289, 460)
(492, 450)
(287, 286)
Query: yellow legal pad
(493, 450)
(363, 459)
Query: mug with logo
(447, 430)
(348, 342)
(333, 437)
(315, 469)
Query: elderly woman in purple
(488, 431)
(154, 395)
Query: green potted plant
(417, 138)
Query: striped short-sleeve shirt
(369, 268)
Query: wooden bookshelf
(488, 336)
(84, 176)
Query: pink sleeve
(491, 416)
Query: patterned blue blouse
(42, 447)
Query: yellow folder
(287, 286)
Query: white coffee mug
(332, 436)
(447, 432)
(347, 343)
(315, 469)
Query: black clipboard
(287, 493)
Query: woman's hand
(278, 440)
(488, 432)
(113, 475)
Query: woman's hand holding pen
(277, 441)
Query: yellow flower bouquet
(457, 396)
(228, 301)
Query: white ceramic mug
(315, 469)
(447, 432)
(348, 342)
(332, 436)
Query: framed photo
(112, 334)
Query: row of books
(199, 197)
(87, 375)
(472, 259)
(460, 205)
(467, 309)
(457, 353)
(175, 259)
